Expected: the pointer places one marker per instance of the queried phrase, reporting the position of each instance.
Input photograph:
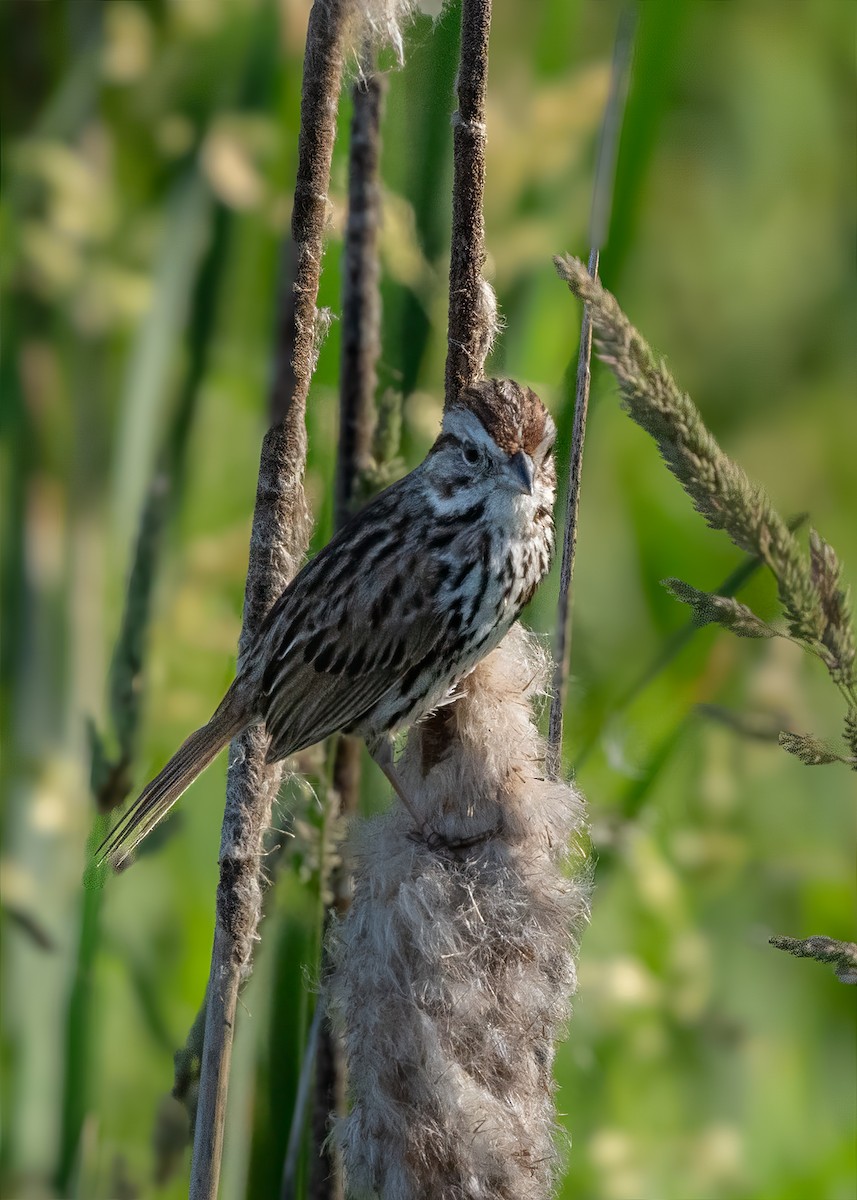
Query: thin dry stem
(602, 201)
(611, 127)
(278, 543)
(325, 1174)
(361, 300)
(454, 969)
(569, 542)
(472, 319)
(472, 311)
(322, 75)
(361, 331)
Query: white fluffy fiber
(453, 970)
(379, 23)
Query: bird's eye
(471, 454)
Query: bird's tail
(158, 797)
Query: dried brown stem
(361, 300)
(325, 1182)
(602, 197)
(278, 543)
(472, 307)
(322, 76)
(453, 971)
(569, 543)
(471, 312)
(361, 330)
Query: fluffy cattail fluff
(490, 324)
(377, 23)
(453, 970)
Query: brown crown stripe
(513, 415)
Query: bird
(378, 629)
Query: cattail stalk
(361, 334)
(472, 308)
(455, 969)
(361, 298)
(454, 966)
(278, 542)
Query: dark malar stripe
(454, 523)
(468, 516)
(485, 559)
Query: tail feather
(158, 797)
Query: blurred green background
(145, 144)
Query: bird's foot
(437, 843)
(440, 843)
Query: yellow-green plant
(815, 604)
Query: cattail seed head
(453, 969)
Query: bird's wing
(353, 625)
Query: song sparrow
(404, 601)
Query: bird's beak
(522, 471)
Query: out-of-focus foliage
(699, 1062)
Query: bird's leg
(382, 752)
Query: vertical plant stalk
(599, 222)
(278, 542)
(325, 1173)
(472, 317)
(472, 309)
(460, 965)
(361, 332)
(562, 652)
(361, 298)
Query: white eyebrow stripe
(462, 423)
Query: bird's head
(497, 432)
